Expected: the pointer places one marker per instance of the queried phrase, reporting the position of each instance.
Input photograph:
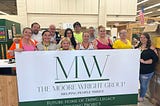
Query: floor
(146, 102)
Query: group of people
(77, 40)
(50, 39)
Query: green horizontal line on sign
(82, 81)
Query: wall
(88, 12)
(63, 6)
(58, 19)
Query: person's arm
(110, 41)
(18, 50)
(149, 61)
(115, 45)
(154, 49)
(77, 46)
(54, 41)
(94, 44)
(10, 52)
(154, 58)
(129, 44)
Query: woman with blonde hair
(85, 45)
(24, 44)
(102, 42)
(65, 44)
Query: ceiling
(151, 7)
(10, 7)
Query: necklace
(142, 48)
(104, 41)
(85, 46)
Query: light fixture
(152, 6)
(148, 13)
(142, 2)
(1, 12)
(145, 13)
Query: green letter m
(63, 70)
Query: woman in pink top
(24, 44)
(28, 44)
(102, 42)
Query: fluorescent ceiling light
(145, 13)
(1, 12)
(138, 11)
(158, 9)
(148, 13)
(150, 7)
(142, 2)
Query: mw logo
(75, 63)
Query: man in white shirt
(37, 35)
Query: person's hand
(16, 40)
(11, 52)
(141, 60)
(54, 41)
(18, 50)
(149, 61)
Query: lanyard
(45, 47)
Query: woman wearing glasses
(123, 42)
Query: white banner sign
(66, 78)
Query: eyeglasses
(102, 31)
(69, 33)
(142, 37)
(123, 33)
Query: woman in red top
(102, 42)
(24, 44)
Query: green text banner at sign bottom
(87, 101)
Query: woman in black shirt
(147, 63)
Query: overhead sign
(78, 78)
(67, 25)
